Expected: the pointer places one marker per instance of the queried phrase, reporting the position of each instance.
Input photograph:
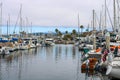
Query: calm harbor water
(59, 62)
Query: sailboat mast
(7, 27)
(1, 21)
(88, 28)
(31, 29)
(105, 16)
(78, 28)
(20, 19)
(118, 14)
(100, 21)
(9, 24)
(114, 12)
(27, 26)
(93, 20)
(118, 9)
(94, 37)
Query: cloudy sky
(52, 12)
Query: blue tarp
(13, 39)
(4, 40)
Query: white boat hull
(113, 72)
(113, 68)
(24, 47)
(4, 51)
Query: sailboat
(113, 67)
(92, 56)
(22, 43)
(78, 43)
(3, 50)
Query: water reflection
(59, 62)
(73, 53)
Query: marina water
(59, 62)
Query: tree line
(72, 35)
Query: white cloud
(52, 12)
